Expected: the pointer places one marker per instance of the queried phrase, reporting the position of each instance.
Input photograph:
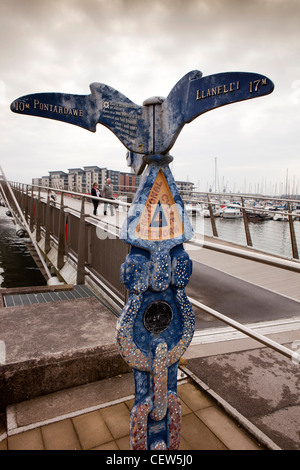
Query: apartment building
(82, 179)
(185, 187)
(76, 180)
(45, 181)
(58, 179)
(128, 182)
(94, 174)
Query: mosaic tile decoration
(157, 323)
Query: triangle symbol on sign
(159, 218)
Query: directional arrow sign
(154, 127)
(104, 105)
(194, 95)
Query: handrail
(295, 356)
(264, 257)
(207, 202)
(193, 195)
(249, 254)
(86, 196)
(239, 195)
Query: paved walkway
(47, 424)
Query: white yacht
(232, 211)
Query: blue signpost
(157, 323)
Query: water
(269, 236)
(17, 268)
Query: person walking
(95, 192)
(108, 194)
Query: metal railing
(257, 216)
(255, 210)
(290, 354)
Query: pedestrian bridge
(83, 248)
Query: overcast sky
(142, 48)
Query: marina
(269, 236)
(267, 226)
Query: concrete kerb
(13, 429)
